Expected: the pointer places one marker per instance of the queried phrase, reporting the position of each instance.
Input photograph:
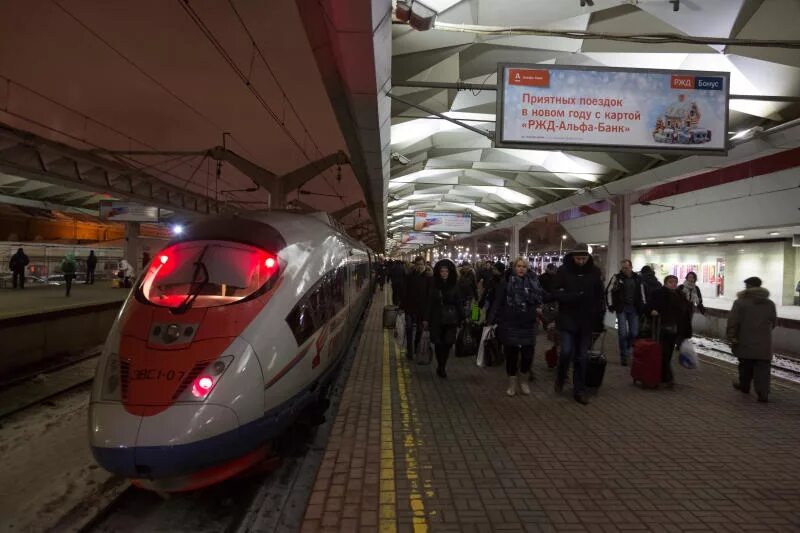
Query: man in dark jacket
(627, 300)
(649, 281)
(579, 291)
(674, 322)
(397, 276)
(17, 266)
(750, 325)
(91, 265)
(416, 295)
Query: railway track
(24, 392)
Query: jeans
(628, 330)
(413, 334)
(18, 276)
(575, 350)
(512, 353)
(756, 371)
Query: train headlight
(111, 379)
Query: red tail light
(164, 259)
(202, 386)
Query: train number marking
(158, 374)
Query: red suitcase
(646, 364)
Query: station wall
(722, 268)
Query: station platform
(38, 300)
(411, 452)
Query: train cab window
(206, 274)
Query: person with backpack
(514, 310)
(17, 265)
(91, 265)
(626, 293)
(68, 267)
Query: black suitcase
(596, 363)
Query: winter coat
(467, 284)
(616, 290)
(750, 324)
(514, 310)
(18, 262)
(416, 292)
(443, 294)
(580, 295)
(700, 306)
(91, 261)
(397, 273)
(68, 265)
(674, 312)
(548, 282)
(650, 284)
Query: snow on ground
(47, 467)
(782, 367)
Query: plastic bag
(424, 353)
(400, 330)
(488, 332)
(688, 355)
(475, 312)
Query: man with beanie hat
(750, 325)
(580, 295)
(649, 281)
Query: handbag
(424, 353)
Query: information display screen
(574, 108)
(438, 222)
(414, 237)
(127, 212)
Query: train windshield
(206, 274)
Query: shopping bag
(485, 334)
(688, 355)
(424, 353)
(466, 342)
(400, 330)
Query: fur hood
(753, 292)
(451, 279)
(571, 266)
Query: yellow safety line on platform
(388, 497)
(410, 442)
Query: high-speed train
(233, 329)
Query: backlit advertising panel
(127, 212)
(590, 108)
(438, 222)
(414, 237)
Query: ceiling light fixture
(679, 240)
(660, 242)
(711, 238)
(773, 233)
(738, 236)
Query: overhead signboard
(591, 108)
(438, 222)
(414, 237)
(127, 212)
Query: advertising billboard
(590, 108)
(127, 212)
(438, 221)
(414, 237)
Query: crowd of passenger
(570, 303)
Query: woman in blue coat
(514, 311)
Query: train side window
(301, 321)
(338, 287)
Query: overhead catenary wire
(198, 21)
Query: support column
(513, 243)
(132, 248)
(473, 249)
(619, 234)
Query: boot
(582, 399)
(524, 388)
(512, 385)
(738, 386)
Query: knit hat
(647, 269)
(753, 282)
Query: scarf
(690, 291)
(521, 293)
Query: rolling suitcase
(596, 363)
(646, 364)
(390, 316)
